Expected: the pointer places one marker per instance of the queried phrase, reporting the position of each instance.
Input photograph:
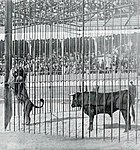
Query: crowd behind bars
(72, 63)
(108, 59)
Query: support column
(8, 62)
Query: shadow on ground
(117, 125)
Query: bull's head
(77, 101)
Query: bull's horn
(71, 94)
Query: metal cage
(88, 47)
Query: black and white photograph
(70, 74)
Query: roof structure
(98, 15)
(29, 12)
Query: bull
(95, 103)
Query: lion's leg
(27, 111)
(27, 118)
(27, 114)
(127, 120)
(90, 112)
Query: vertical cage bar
(51, 75)
(46, 74)
(13, 65)
(97, 72)
(128, 82)
(76, 50)
(69, 74)
(112, 79)
(63, 84)
(40, 62)
(57, 85)
(29, 57)
(83, 56)
(23, 44)
(137, 72)
(120, 88)
(104, 74)
(18, 63)
(35, 74)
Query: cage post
(8, 62)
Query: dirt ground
(29, 141)
(22, 141)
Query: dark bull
(95, 103)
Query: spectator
(102, 64)
(132, 90)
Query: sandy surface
(22, 141)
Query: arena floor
(18, 140)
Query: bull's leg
(91, 122)
(127, 126)
(90, 112)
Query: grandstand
(29, 12)
(108, 14)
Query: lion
(16, 82)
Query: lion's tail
(42, 101)
(133, 113)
